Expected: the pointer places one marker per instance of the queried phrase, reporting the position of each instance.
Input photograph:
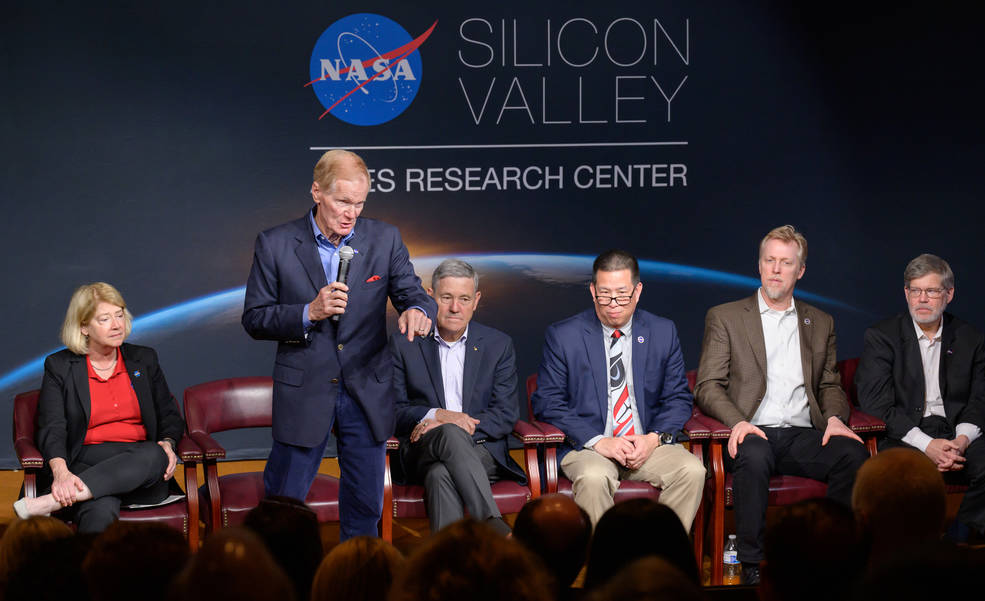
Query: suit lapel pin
(475, 348)
(950, 352)
(136, 374)
(807, 321)
(640, 340)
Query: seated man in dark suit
(612, 379)
(923, 373)
(456, 398)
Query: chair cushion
(784, 490)
(174, 515)
(242, 492)
(408, 500)
(628, 489)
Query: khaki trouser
(678, 474)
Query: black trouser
(972, 510)
(456, 473)
(118, 472)
(793, 452)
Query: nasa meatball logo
(366, 69)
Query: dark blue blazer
(287, 274)
(489, 389)
(573, 382)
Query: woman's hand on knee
(172, 459)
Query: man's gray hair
(454, 268)
(928, 263)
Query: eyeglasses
(933, 293)
(605, 301)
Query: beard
(774, 292)
(933, 317)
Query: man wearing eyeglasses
(612, 379)
(768, 371)
(923, 373)
(456, 401)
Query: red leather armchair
(628, 489)
(241, 403)
(181, 515)
(783, 490)
(407, 500)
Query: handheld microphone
(345, 256)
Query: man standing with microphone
(333, 373)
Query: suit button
(340, 347)
(335, 380)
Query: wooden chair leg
(386, 520)
(551, 467)
(215, 497)
(718, 517)
(533, 470)
(699, 532)
(191, 495)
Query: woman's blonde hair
(82, 308)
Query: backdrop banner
(147, 144)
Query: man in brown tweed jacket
(767, 371)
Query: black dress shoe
(750, 573)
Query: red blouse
(115, 413)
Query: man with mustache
(923, 373)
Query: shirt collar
(763, 307)
(626, 329)
(445, 343)
(320, 237)
(921, 334)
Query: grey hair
(928, 263)
(453, 268)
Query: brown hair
(23, 538)
(360, 569)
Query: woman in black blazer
(107, 422)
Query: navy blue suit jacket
(287, 273)
(489, 389)
(573, 382)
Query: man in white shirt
(767, 371)
(923, 373)
(456, 401)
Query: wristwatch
(666, 438)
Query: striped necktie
(622, 411)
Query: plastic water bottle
(733, 571)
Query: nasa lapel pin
(640, 339)
(136, 374)
(807, 321)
